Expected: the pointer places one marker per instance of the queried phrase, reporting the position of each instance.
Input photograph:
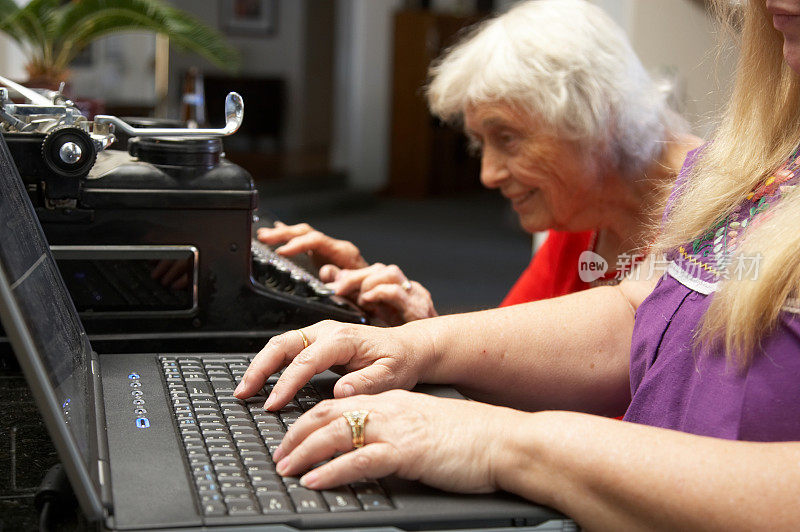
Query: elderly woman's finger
(328, 273)
(313, 241)
(349, 281)
(393, 295)
(326, 249)
(410, 305)
(321, 444)
(390, 274)
(280, 349)
(281, 232)
(375, 460)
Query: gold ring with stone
(406, 285)
(357, 419)
(303, 336)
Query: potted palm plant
(53, 32)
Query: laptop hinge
(103, 470)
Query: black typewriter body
(171, 204)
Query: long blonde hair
(760, 128)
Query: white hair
(571, 66)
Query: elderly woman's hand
(446, 443)
(383, 291)
(375, 359)
(302, 238)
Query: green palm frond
(8, 19)
(22, 25)
(86, 20)
(56, 32)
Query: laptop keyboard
(229, 444)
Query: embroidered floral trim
(693, 260)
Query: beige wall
(677, 40)
(11, 59)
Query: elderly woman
(570, 128)
(708, 354)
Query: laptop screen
(46, 310)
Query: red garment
(553, 271)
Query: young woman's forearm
(611, 475)
(566, 353)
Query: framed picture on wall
(250, 18)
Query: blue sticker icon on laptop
(142, 422)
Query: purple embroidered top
(672, 386)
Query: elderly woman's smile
(519, 201)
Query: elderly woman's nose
(493, 170)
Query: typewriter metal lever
(32, 96)
(234, 114)
(49, 110)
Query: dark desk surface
(26, 452)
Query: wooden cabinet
(427, 157)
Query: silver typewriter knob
(70, 153)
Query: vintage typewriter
(155, 244)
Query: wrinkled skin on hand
(383, 291)
(446, 443)
(372, 359)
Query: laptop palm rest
(148, 476)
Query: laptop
(158, 441)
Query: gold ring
(357, 419)
(303, 336)
(406, 285)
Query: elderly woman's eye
(507, 139)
